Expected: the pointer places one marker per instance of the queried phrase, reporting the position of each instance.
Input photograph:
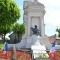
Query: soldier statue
(35, 30)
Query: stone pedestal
(35, 45)
(33, 40)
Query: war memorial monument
(34, 37)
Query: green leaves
(4, 30)
(9, 12)
(58, 30)
(19, 29)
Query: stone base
(27, 42)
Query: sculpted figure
(35, 30)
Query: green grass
(1, 45)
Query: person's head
(35, 26)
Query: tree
(58, 30)
(19, 29)
(9, 12)
(4, 31)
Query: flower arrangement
(41, 55)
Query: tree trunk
(18, 37)
(59, 34)
(4, 38)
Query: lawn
(1, 45)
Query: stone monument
(34, 16)
(34, 37)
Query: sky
(52, 15)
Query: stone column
(42, 26)
(25, 20)
(28, 31)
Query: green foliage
(4, 30)
(6, 38)
(58, 30)
(9, 12)
(1, 45)
(18, 29)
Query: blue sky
(52, 15)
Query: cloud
(53, 17)
(52, 8)
(50, 2)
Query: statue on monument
(35, 30)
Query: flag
(52, 50)
(5, 50)
(52, 47)
(52, 40)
